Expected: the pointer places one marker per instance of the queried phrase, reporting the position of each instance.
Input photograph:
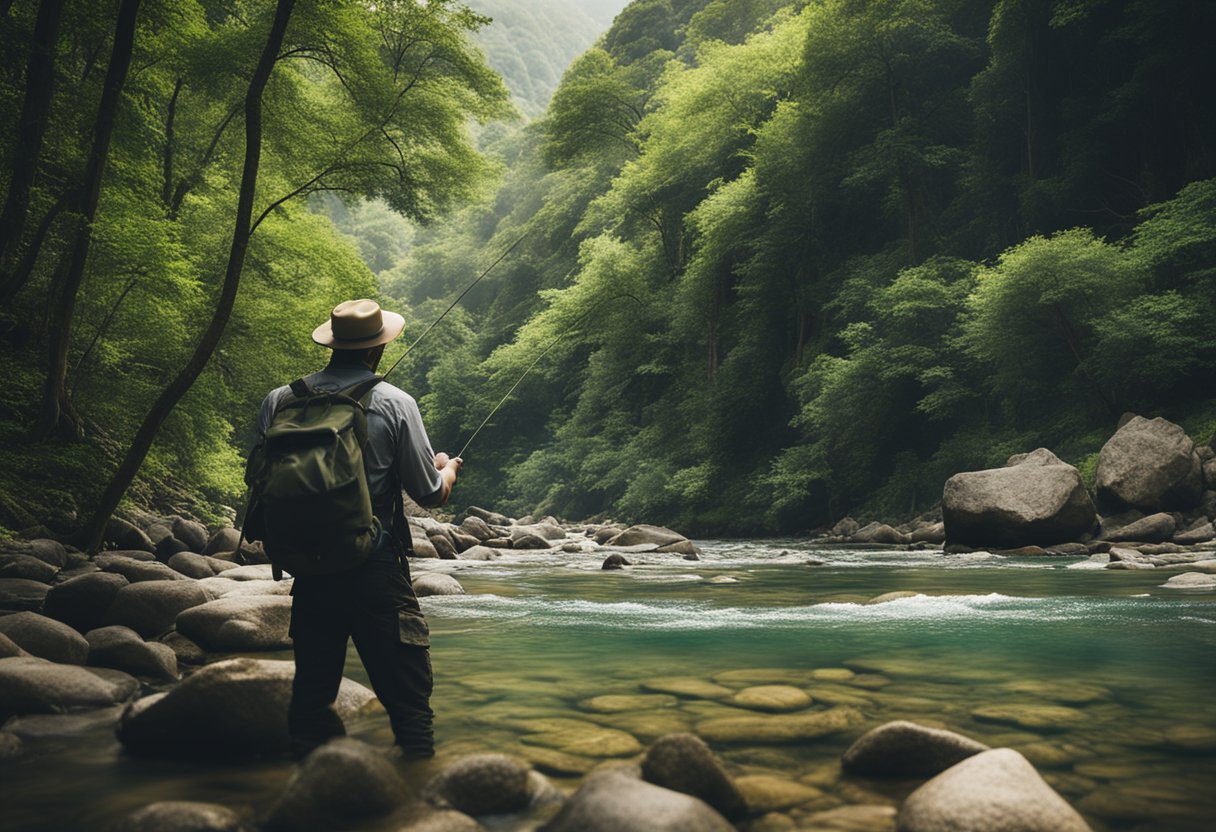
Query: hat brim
(393, 324)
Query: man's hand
(443, 461)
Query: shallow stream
(1102, 679)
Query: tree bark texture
(92, 533)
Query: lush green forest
(800, 258)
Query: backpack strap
(300, 388)
(361, 389)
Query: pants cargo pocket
(412, 629)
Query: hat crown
(356, 320)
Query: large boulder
(476, 527)
(1149, 464)
(182, 816)
(422, 546)
(1037, 501)
(45, 637)
(82, 601)
(645, 533)
(28, 567)
(119, 534)
(905, 749)
(443, 545)
(191, 533)
(684, 763)
(137, 570)
(1156, 528)
(29, 685)
(150, 607)
(239, 622)
(198, 566)
(341, 783)
(231, 708)
(481, 784)
(878, 533)
(47, 550)
(222, 541)
(121, 648)
(996, 791)
(436, 583)
(22, 594)
(612, 801)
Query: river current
(1103, 679)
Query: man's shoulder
(391, 396)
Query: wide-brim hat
(358, 325)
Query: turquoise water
(1102, 678)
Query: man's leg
(319, 639)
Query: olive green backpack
(309, 501)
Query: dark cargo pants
(375, 605)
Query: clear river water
(1103, 679)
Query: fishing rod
(459, 298)
(552, 343)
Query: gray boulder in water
(82, 601)
(997, 791)
(612, 801)
(436, 583)
(341, 783)
(905, 749)
(239, 622)
(1156, 528)
(1149, 464)
(182, 816)
(684, 763)
(45, 637)
(30, 685)
(1037, 501)
(878, 533)
(150, 607)
(645, 533)
(121, 648)
(481, 784)
(231, 708)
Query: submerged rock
(182, 816)
(689, 687)
(45, 637)
(575, 736)
(615, 561)
(612, 801)
(766, 793)
(341, 783)
(481, 784)
(773, 698)
(436, 583)
(905, 749)
(1033, 717)
(30, 685)
(683, 763)
(996, 791)
(1040, 500)
(445, 820)
(776, 729)
(239, 622)
(1200, 581)
(878, 533)
(644, 533)
(1150, 465)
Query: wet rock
(766, 793)
(644, 533)
(1207, 503)
(1040, 500)
(150, 607)
(463, 541)
(193, 534)
(48, 551)
(688, 687)
(605, 533)
(445, 820)
(1032, 717)
(182, 816)
(527, 540)
(228, 709)
(82, 602)
(137, 571)
(1068, 549)
(611, 801)
(615, 561)
(905, 749)
(878, 533)
(1190, 581)
(683, 763)
(1150, 465)
(239, 623)
(623, 703)
(186, 651)
(772, 698)
(198, 566)
(120, 534)
(340, 784)
(783, 728)
(1200, 533)
(222, 587)
(436, 583)
(422, 546)
(221, 541)
(997, 791)
(121, 648)
(251, 572)
(481, 784)
(45, 637)
(479, 553)
(868, 817)
(493, 518)
(929, 533)
(574, 736)
(29, 685)
(1060, 690)
(499, 543)
(681, 547)
(892, 596)
(476, 527)
(557, 763)
(169, 546)
(22, 594)
(545, 530)
(845, 527)
(27, 567)
(444, 547)
(1156, 528)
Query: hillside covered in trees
(794, 259)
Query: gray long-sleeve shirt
(397, 450)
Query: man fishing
(372, 601)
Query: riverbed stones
(615, 561)
(767, 793)
(1192, 581)
(28, 567)
(772, 698)
(612, 801)
(231, 708)
(239, 622)
(877, 532)
(436, 583)
(222, 541)
(1031, 717)
(1199, 533)
(864, 817)
(997, 791)
(683, 762)
(121, 648)
(190, 532)
(119, 534)
(575, 736)
(645, 533)
(49, 551)
(1155, 528)
(150, 607)
(22, 594)
(906, 749)
(1064, 691)
(339, 784)
(1038, 501)
(778, 728)
(45, 637)
(1151, 465)
(688, 687)
(526, 540)
(481, 784)
(623, 702)
(198, 566)
(444, 820)
(29, 685)
(480, 552)
(135, 570)
(182, 816)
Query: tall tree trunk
(57, 409)
(91, 534)
(31, 127)
(11, 284)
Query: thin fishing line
(459, 297)
(535, 361)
